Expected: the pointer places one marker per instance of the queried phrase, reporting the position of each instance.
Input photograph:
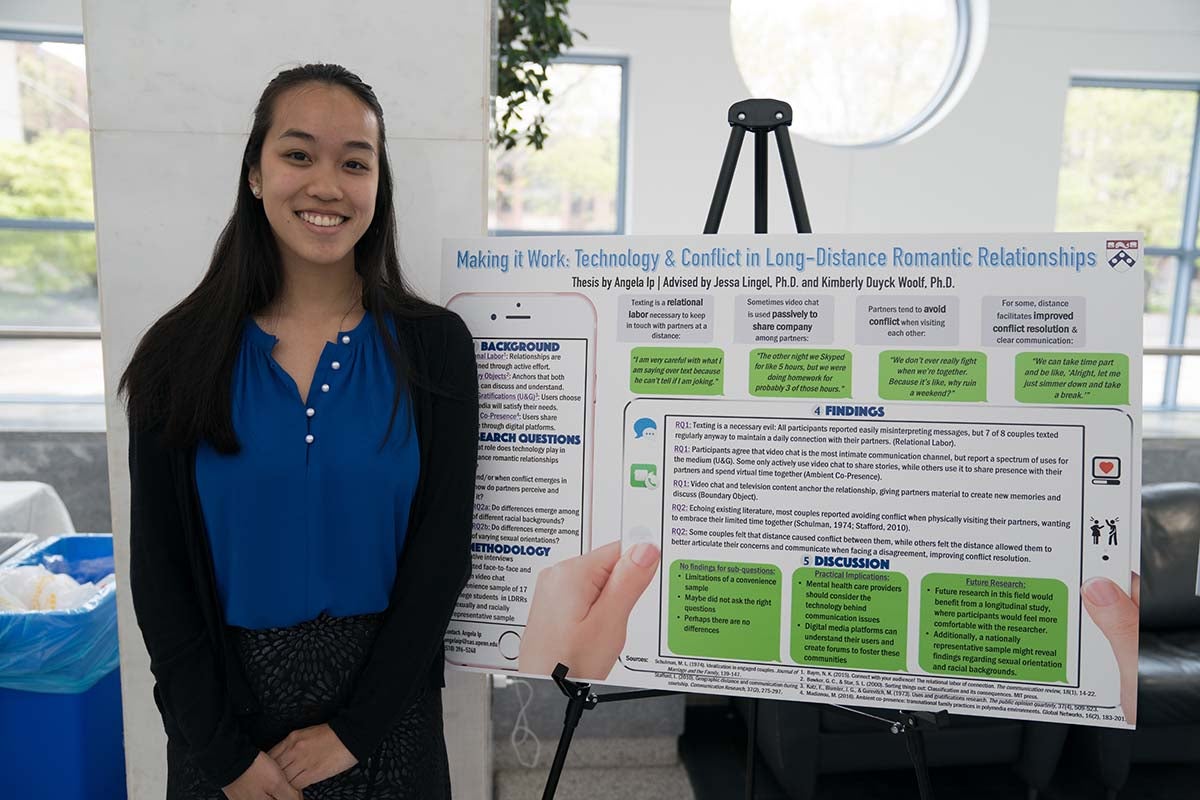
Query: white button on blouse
(345, 340)
(324, 387)
(309, 438)
(336, 365)
(311, 411)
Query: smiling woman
(303, 433)
(318, 167)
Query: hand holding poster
(892, 471)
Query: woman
(303, 436)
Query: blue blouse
(310, 516)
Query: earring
(257, 192)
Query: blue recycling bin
(60, 690)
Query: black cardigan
(199, 686)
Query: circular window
(856, 72)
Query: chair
(800, 741)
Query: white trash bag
(39, 589)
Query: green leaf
(530, 34)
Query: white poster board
(873, 470)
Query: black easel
(579, 699)
(760, 117)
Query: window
(1129, 163)
(49, 301)
(857, 72)
(576, 182)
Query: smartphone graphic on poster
(536, 359)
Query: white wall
(172, 86)
(990, 165)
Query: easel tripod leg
(914, 740)
(751, 747)
(760, 181)
(724, 180)
(792, 178)
(575, 708)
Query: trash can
(60, 689)
(13, 543)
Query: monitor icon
(1106, 470)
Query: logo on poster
(1118, 253)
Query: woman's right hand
(264, 780)
(1116, 615)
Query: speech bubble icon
(644, 427)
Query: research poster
(894, 471)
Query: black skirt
(301, 676)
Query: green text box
(937, 375)
(990, 626)
(725, 609)
(1072, 378)
(677, 370)
(850, 618)
(779, 372)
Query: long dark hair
(180, 374)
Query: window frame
(1188, 251)
(622, 149)
(969, 38)
(44, 224)
(958, 66)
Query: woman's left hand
(580, 610)
(311, 755)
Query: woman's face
(319, 173)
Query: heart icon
(1106, 466)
